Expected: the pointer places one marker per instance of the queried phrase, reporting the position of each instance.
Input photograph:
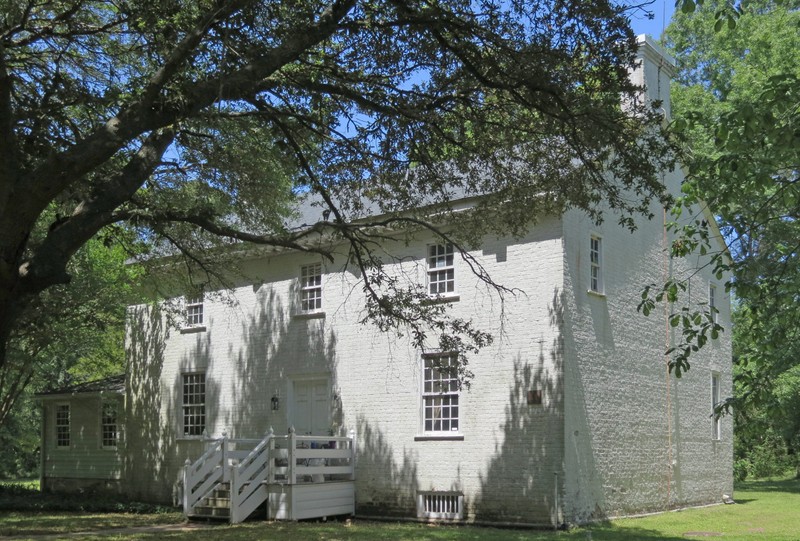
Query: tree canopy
(737, 108)
(199, 122)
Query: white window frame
(59, 425)
(716, 398)
(437, 404)
(712, 302)
(194, 308)
(109, 426)
(441, 270)
(193, 404)
(311, 288)
(596, 284)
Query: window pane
(194, 397)
(311, 288)
(440, 393)
(441, 273)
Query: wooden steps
(216, 505)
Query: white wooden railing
(281, 460)
(301, 459)
(201, 477)
(248, 480)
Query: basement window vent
(439, 505)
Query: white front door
(311, 412)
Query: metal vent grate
(440, 505)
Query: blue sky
(662, 11)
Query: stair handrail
(248, 478)
(201, 476)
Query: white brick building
(570, 416)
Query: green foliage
(72, 334)
(767, 457)
(185, 127)
(737, 111)
(19, 439)
(27, 497)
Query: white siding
(84, 458)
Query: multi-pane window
(194, 404)
(441, 271)
(440, 393)
(194, 311)
(715, 400)
(595, 264)
(62, 425)
(311, 288)
(712, 301)
(108, 425)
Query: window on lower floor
(716, 398)
(62, 425)
(440, 394)
(194, 404)
(108, 425)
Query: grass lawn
(766, 510)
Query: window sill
(443, 299)
(439, 437)
(193, 329)
(193, 438)
(309, 315)
(593, 293)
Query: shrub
(16, 496)
(768, 457)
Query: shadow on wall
(522, 480)
(276, 348)
(583, 492)
(385, 486)
(247, 359)
(145, 433)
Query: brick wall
(637, 439)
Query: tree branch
(59, 170)
(48, 264)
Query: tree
(198, 123)
(72, 333)
(737, 107)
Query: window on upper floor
(712, 302)
(441, 270)
(311, 288)
(596, 264)
(62, 425)
(108, 424)
(440, 394)
(194, 403)
(716, 398)
(194, 311)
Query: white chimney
(655, 71)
